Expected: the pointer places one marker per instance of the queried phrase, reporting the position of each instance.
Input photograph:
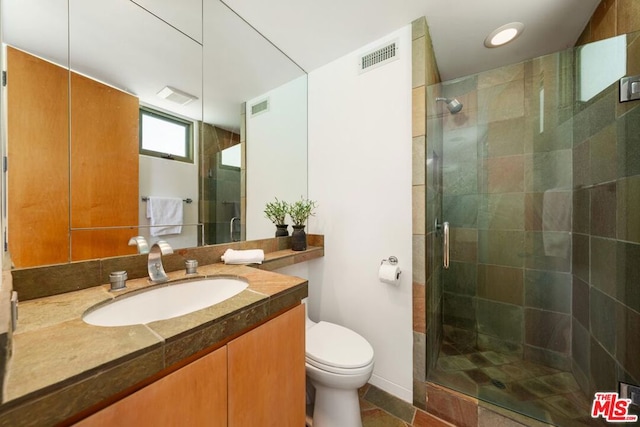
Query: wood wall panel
(47, 192)
(104, 168)
(38, 174)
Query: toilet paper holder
(392, 260)
(389, 271)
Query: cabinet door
(195, 395)
(267, 374)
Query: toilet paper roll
(389, 274)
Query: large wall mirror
(88, 79)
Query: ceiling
(128, 45)
(314, 33)
(104, 40)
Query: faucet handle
(118, 280)
(191, 266)
(141, 243)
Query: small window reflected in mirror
(166, 136)
(231, 156)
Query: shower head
(453, 105)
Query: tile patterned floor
(508, 381)
(380, 409)
(504, 380)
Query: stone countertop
(61, 366)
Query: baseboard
(392, 388)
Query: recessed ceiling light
(504, 34)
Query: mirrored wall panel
(129, 119)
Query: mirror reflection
(79, 184)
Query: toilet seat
(336, 349)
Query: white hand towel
(165, 212)
(248, 256)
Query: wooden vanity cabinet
(267, 373)
(191, 396)
(258, 379)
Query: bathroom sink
(164, 302)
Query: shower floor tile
(522, 386)
(561, 383)
(521, 393)
(537, 387)
(516, 372)
(496, 374)
(478, 376)
(479, 360)
(565, 406)
(455, 363)
(497, 358)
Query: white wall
(276, 154)
(360, 175)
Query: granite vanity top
(61, 366)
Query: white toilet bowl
(338, 362)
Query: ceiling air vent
(379, 56)
(260, 107)
(175, 95)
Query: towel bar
(145, 198)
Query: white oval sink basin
(164, 302)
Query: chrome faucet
(154, 263)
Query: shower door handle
(445, 257)
(231, 228)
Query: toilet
(338, 362)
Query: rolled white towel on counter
(247, 256)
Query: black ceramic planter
(298, 238)
(281, 230)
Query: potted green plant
(276, 212)
(300, 212)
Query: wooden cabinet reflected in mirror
(104, 167)
(104, 164)
(37, 123)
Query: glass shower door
(537, 185)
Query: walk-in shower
(220, 185)
(539, 179)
